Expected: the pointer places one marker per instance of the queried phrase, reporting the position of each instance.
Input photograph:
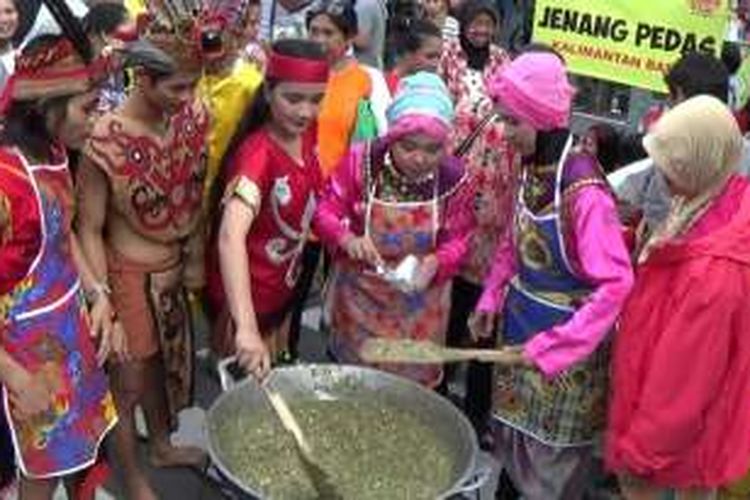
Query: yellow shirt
(135, 7)
(227, 99)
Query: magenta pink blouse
(597, 251)
(341, 210)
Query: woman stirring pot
(559, 285)
(272, 178)
(395, 200)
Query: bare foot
(177, 456)
(139, 489)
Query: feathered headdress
(193, 32)
(64, 65)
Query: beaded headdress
(192, 32)
(60, 66)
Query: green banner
(633, 42)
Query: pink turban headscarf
(535, 89)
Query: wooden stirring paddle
(382, 350)
(320, 479)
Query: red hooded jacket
(680, 413)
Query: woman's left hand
(101, 313)
(426, 272)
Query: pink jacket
(341, 209)
(597, 251)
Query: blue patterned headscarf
(421, 105)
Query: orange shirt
(338, 114)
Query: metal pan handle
(482, 474)
(226, 377)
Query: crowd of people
(166, 159)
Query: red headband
(52, 71)
(297, 69)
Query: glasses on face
(336, 8)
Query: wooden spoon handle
(287, 419)
(484, 355)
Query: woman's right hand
(481, 324)
(252, 353)
(30, 394)
(363, 249)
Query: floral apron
(568, 410)
(46, 330)
(360, 304)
